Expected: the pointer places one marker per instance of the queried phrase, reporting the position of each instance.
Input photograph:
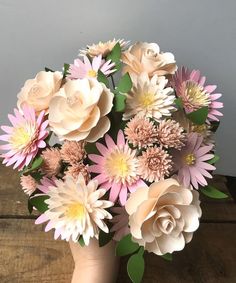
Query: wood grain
(28, 255)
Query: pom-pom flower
(76, 209)
(163, 217)
(154, 164)
(72, 152)
(116, 167)
(191, 161)
(190, 87)
(28, 184)
(51, 161)
(149, 98)
(24, 138)
(76, 169)
(140, 132)
(81, 70)
(170, 134)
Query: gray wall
(201, 34)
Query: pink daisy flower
(190, 87)
(24, 138)
(85, 69)
(117, 168)
(190, 161)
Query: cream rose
(39, 91)
(146, 57)
(163, 217)
(78, 111)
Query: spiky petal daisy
(170, 134)
(190, 87)
(154, 164)
(86, 69)
(141, 132)
(103, 48)
(191, 161)
(24, 138)
(149, 98)
(116, 168)
(76, 209)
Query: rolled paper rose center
(35, 90)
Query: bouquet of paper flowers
(117, 146)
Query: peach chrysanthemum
(72, 152)
(51, 161)
(140, 132)
(171, 134)
(28, 184)
(154, 164)
(77, 169)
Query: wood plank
(29, 255)
(14, 201)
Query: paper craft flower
(149, 98)
(116, 168)
(81, 70)
(191, 161)
(51, 161)
(190, 87)
(163, 217)
(38, 92)
(103, 48)
(146, 57)
(140, 132)
(83, 106)
(72, 152)
(76, 209)
(24, 138)
(154, 164)
(46, 184)
(28, 184)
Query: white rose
(78, 111)
(39, 91)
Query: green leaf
(212, 192)
(214, 126)
(104, 238)
(102, 78)
(81, 241)
(135, 267)
(91, 148)
(115, 53)
(30, 207)
(39, 202)
(38, 161)
(125, 83)
(48, 70)
(215, 159)
(120, 102)
(199, 116)
(66, 70)
(167, 257)
(179, 103)
(126, 246)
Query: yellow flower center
(92, 74)
(199, 128)
(190, 159)
(197, 96)
(147, 99)
(75, 211)
(20, 138)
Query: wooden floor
(28, 255)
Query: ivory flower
(149, 98)
(39, 91)
(75, 209)
(163, 217)
(78, 111)
(146, 57)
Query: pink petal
(115, 190)
(41, 219)
(4, 137)
(123, 195)
(109, 142)
(210, 88)
(96, 158)
(102, 149)
(95, 169)
(41, 144)
(7, 129)
(13, 120)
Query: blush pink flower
(120, 223)
(28, 184)
(190, 87)
(46, 183)
(86, 69)
(190, 161)
(24, 138)
(116, 167)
